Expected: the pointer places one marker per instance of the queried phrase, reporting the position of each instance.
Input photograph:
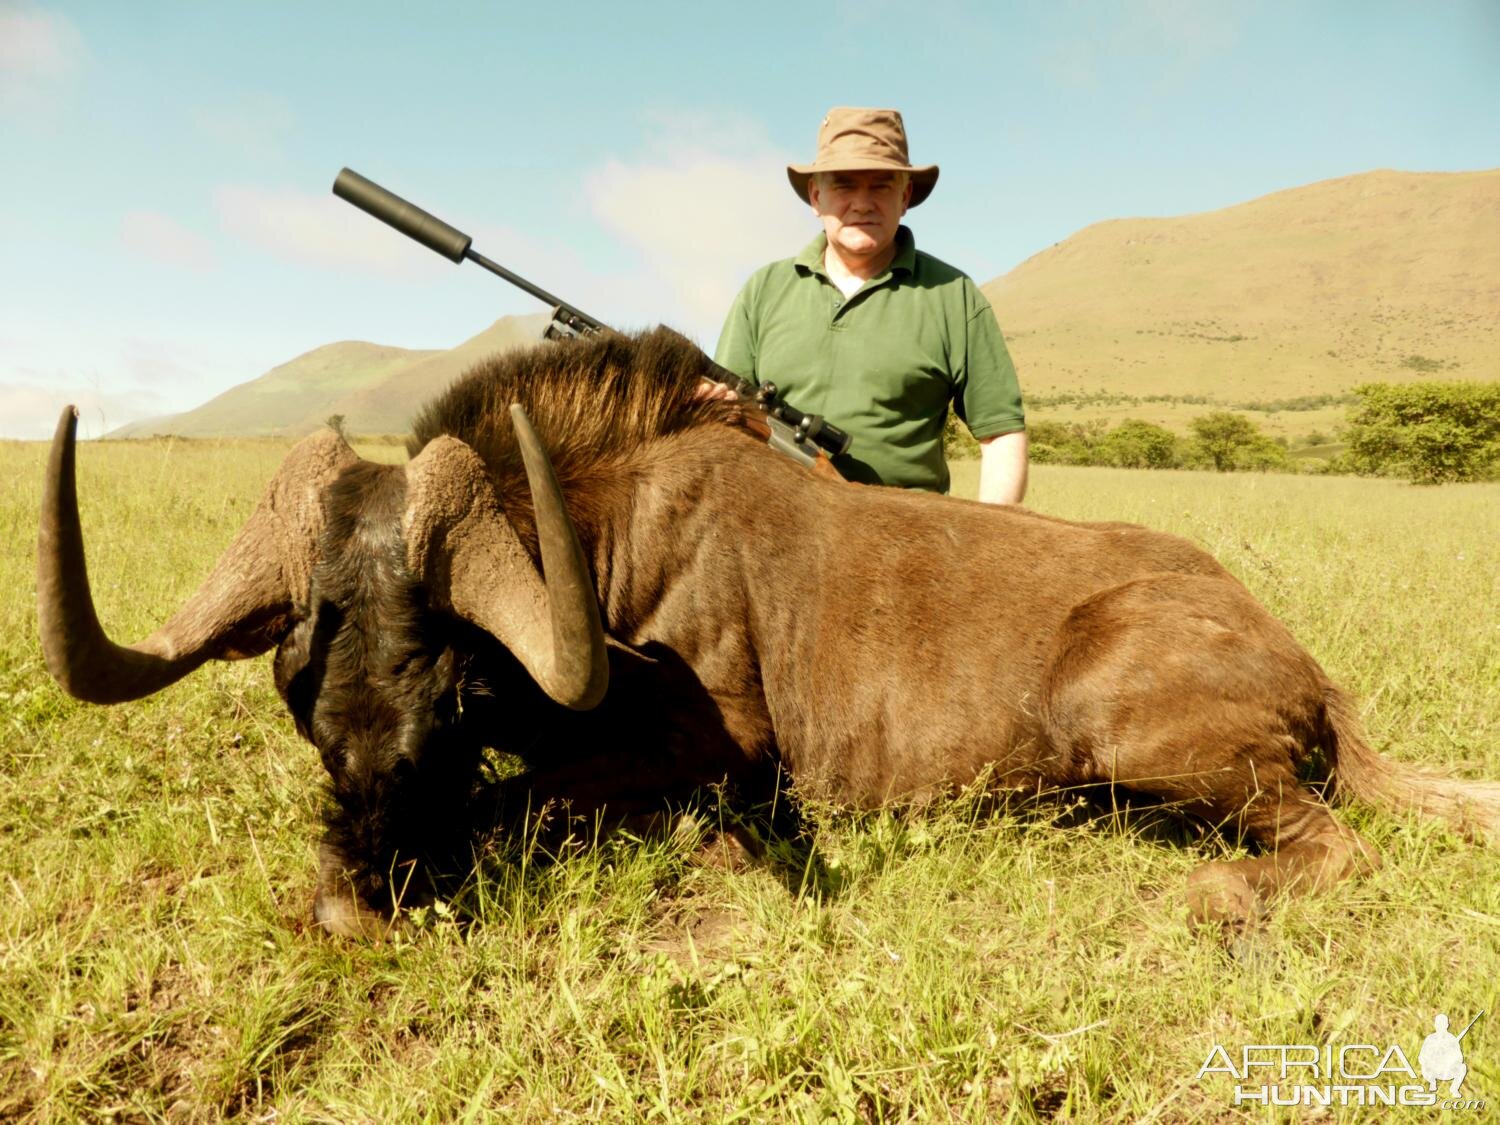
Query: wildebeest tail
(1358, 772)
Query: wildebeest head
(377, 585)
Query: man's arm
(1002, 468)
(989, 401)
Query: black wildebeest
(729, 609)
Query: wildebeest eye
(331, 750)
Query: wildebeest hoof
(341, 916)
(1219, 896)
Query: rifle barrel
(536, 291)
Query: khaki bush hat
(852, 140)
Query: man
(874, 334)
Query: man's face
(861, 211)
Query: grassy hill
(1384, 276)
(386, 405)
(375, 388)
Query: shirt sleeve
(736, 347)
(987, 395)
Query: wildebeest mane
(594, 402)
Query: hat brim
(923, 179)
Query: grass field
(976, 964)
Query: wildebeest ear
(241, 608)
(459, 541)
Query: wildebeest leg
(1183, 688)
(1306, 850)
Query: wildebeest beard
(391, 694)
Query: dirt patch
(709, 935)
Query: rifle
(798, 435)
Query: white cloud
(252, 125)
(178, 365)
(158, 236)
(316, 229)
(706, 205)
(38, 52)
(1193, 30)
(30, 410)
(1072, 64)
(1161, 40)
(114, 374)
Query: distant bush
(1117, 398)
(1220, 440)
(1424, 363)
(1324, 466)
(1134, 444)
(1064, 443)
(1300, 403)
(1110, 398)
(1428, 432)
(958, 443)
(1226, 441)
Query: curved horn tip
(67, 422)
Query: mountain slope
(386, 406)
(376, 388)
(1386, 276)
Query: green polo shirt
(883, 364)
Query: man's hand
(1002, 468)
(721, 392)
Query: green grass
(982, 962)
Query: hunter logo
(1442, 1058)
(1363, 1074)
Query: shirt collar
(905, 261)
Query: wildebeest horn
(459, 540)
(238, 611)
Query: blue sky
(166, 228)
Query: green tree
(1427, 432)
(1065, 443)
(1135, 444)
(1229, 441)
